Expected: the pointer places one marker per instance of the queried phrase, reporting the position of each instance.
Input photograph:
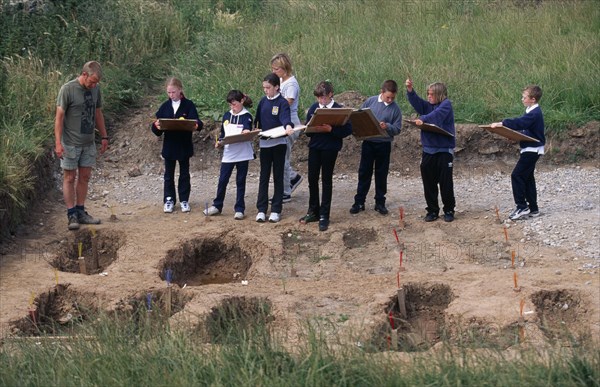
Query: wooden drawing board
(365, 125)
(430, 128)
(176, 124)
(508, 133)
(242, 137)
(333, 117)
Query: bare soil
(478, 279)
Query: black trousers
(436, 169)
(320, 162)
(523, 181)
(375, 154)
(183, 184)
(271, 158)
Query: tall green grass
(45, 45)
(134, 352)
(485, 51)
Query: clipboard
(178, 125)
(430, 128)
(242, 137)
(365, 125)
(278, 132)
(508, 133)
(333, 117)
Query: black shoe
(73, 222)
(381, 209)
(309, 218)
(295, 182)
(448, 216)
(430, 217)
(284, 199)
(356, 208)
(323, 224)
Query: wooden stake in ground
(402, 303)
(512, 259)
(81, 260)
(497, 214)
(505, 234)
(516, 288)
(521, 323)
(401, 222)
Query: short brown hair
(323, 88)
(389, 85)
(92, 67)
(534, 91)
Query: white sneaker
(185, 207)
(260, 217)
(238, 216)
(212, 211)
(518, 213)
(274, 217)
(168, 208)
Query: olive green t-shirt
(80, 106)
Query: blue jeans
(240, 183)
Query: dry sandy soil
(459, 278)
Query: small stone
(557, 272)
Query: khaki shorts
(78, 156)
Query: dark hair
(272, 78)
(389, 85)
(534, 91)
(323, 88)
(236, 95)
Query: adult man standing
(78, 112)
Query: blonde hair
(282, 61)
(439, 90)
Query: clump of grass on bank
(137, 351)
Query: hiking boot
(308, 218)
(239, 216)
(430, 217)
(274, 217)
(381, 209)
(211, 211)
(185, 207)
(295, 182)
(85, 218)
(168, 208)
(449, 216)
(260, 217)
(356, 208)
(73, 222)
(519, 213)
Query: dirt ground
(479, 278)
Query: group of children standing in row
(279, 107)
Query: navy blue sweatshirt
(328, 141)
(440, 114)
(177, 145)
(530, 124)
(271, 113)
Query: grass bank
(136, 352)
